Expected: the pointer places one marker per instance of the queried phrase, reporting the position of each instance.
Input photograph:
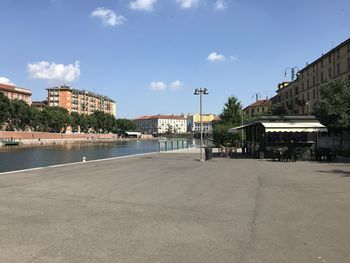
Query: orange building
(16, 93)
(258, 108)
(80, 101)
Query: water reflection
(22, 157)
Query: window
(302, 85)
(348, 64)
(307, 84)
(313, 93)
(338, 69)
(321, 63)
(313, 80)
(330, 73)
(338, 53)
(329, 59)
(322, 78)
(308, 95)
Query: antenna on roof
(257, 96)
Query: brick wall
(53, 136)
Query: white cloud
(54, 72)
(158, 85)
(215, 57)
(176, 84)
(220, 4)
(146, 5)
(186, 4)
(108, 16)
(4, 80)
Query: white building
(162, 124)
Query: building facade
(299, 96)
(258, 108)
(16, 93)
(162, 124)
(193, 122)
(39, 105)
(80, 101)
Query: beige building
(161, 124)
(16, 93)
(193, 122)
(299, 96)
(258, 108)
(80, 101)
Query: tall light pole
(294, 72)
(201, 92)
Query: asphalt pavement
(169, 207)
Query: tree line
(19, 116)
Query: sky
(150, 55)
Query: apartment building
(80, 101)
(193, 122)
(16, 93)
(299, 96)
(258, 108)
(162, 124)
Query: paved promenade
(171, 208)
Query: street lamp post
(294, 72)
(201, 92)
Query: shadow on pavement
(342, 173)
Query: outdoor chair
(287, 156)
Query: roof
(39, 104)
(346, 42)
(162, 117)
(291, 124)
(12, 88)
(260, 103)
(80, 91)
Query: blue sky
(150, 55)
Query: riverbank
(168, 207)
(47, 139)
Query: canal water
(18, 157)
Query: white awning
(133, 133)
(313, 126)
(294, 127)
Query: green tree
(5, 108)
(35, 122)
(334, 108)
(55, 119)
(19, 115)
(277, 109)
(232, 115)
(221, 136)
(126, 125)
(91, 123)
(232, 112)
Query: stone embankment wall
(41, 138)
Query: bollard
(84, 159)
